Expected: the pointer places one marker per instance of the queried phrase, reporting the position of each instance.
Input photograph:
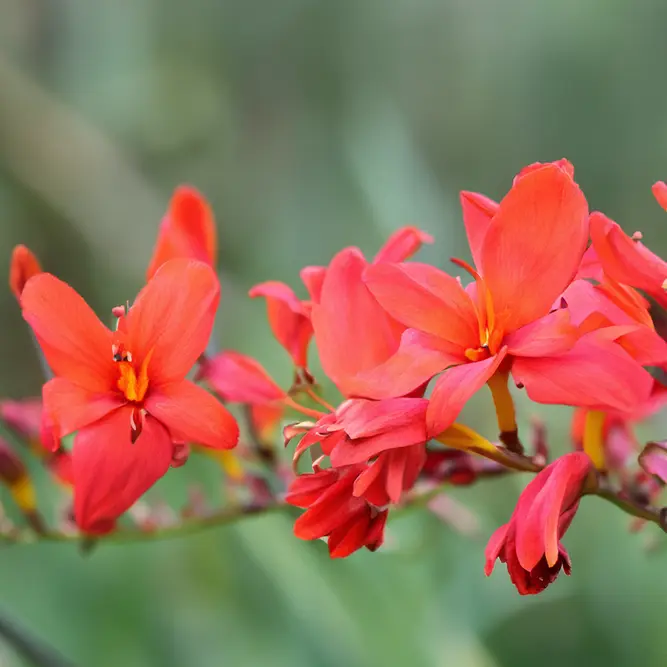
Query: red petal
(289, 319)
(537, 521)
(238, 378)
(563, 164)
(172, 317)
(551, 334)
(349, 538)
(478, 211)
(425, 298)
(75, 343)
(596, 373)
(72, 407)
(348, 452)
(402, 244)
(627, 261)
(418, 358)
(345, 351)
(193, 415)
(454, 388)
(306, 489)
(494, 547)
(334, 508)
(23, 266)
(313, 279)
(534, 245)
(187, 231)
(110, 473)
(361, 418)
(660, 193)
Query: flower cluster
(559, 302)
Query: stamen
(486, 315)
(637, 236)
(137, 420)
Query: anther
(637, 236)
(118, 311)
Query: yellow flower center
(134, 386)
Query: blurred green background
(311, 125)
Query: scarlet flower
(186, 231)
(23, 266)
(125, 392)
(357, 339)
(238, 378)
(390, 434)
(527, 250)
(333, 511)
(529, 544)
(289, 319)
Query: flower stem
(593, 437)
(318, 399)
(504, 404)
(316, 414)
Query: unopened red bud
(24, 265)
(660, 193)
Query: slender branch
(630, 507)
(35, 650)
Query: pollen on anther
(637, 236)
(118, 311)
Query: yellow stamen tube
(594, 438)
(505, 413)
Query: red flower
(289, 319)
(125, 393)
(23, 266)
(390, 434)
(334, 511)
(530, 543)
(527, 250)
(187, 231)
(238, 378)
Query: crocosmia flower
(530, 543)
(124, 392)
(527, 250)
(333, 511)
